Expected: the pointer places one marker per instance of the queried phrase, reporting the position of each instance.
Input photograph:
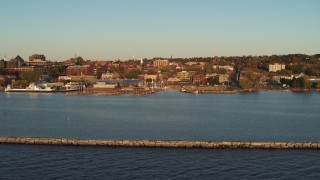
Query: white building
(276, 67)
(160, 63)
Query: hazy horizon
(108, 30)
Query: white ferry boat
(31, 88)
(72, 86)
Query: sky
(121, 29)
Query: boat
(71, 86)
(183, 89)
(31, 88)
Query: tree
(20, 83)
(264, 66)
(312, 71)
(213, 80)
(245, 83)
(285, 81)
(307, 84)
(316, 85)
(165, 69)
(284, 72)
(2, 71)
(132, 74)
(220, 71)
(207, 66)
(30, 76)
(208, 71)
(301, 83)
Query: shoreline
(179, 144)
(118, 92)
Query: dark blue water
(263, 116)
(58, 162)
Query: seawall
(159, 143)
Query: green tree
(132, 74)
(213, 80)
(307, 84)
(221, 71)
(284, 72)
(264, 66)
(301, 83)
(208, 71)
(165, 69)
(2, 71)
(30, 76)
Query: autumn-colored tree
(245, 83)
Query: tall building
(276, 67)
(37, 57)
(37, 60)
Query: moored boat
(31, 88)
(72, 86)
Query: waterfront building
(151, 76)
(160, 63)
(105, 84)
(173, 81)
(131, 83)
(183, 75)
(276, 67)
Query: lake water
(170, 115)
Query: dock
(159, 143)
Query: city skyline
(110, 30)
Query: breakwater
(160, 143)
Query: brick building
(79, 70)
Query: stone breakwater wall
(159, 143)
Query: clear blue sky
(112, 29)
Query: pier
(159, 143)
